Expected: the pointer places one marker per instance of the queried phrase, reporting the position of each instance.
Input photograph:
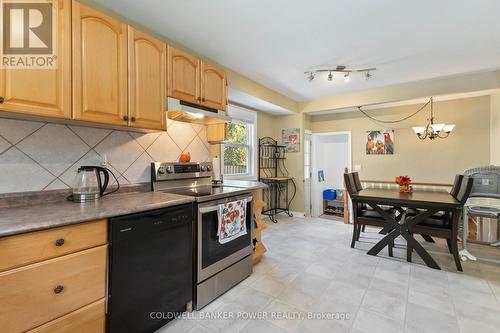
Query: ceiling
(274, 42)
(240, 98)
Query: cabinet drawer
(89, 319)
(36, 294)
(28, 248)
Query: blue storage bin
(329, 194)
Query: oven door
(213, 256)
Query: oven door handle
(209, 209)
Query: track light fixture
(339, 69)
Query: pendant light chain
(399, 120)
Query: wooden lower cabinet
(23, 249)
(89, 319)
(258, 205)
(33, 295)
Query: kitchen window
(239, 150)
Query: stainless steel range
(218, 266)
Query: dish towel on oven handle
(232, 220)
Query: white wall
(330, 154)
(495, 130)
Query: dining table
(426, 203)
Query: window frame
(249, 118)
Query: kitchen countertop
(246, 184)
(41, 216)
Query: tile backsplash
(45, 156)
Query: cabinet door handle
(125, 118)
(58, 289)
(203, 99)
(132, 119)
(60, 242)
(199, 99)
(1, 100)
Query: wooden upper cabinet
(184, 76)
(99, 67)
(43, 92)
(147, 57)
(213, 87)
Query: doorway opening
(331, 154)
(307, 173)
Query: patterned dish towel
(232, 221)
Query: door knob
(1, 100)
(132, 119)
(125, 118)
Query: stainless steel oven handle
(204, 210)
(208, 209)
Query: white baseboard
(298, 214)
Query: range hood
(193, 113)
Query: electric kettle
(89, 186)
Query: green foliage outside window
(236, 151)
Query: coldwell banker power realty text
(28, 34)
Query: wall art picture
(380, 142)
(291, 139)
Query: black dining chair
(357, 181)
(454, 191)
(446, 225)
(362, 215)
(359, 187)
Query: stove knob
(170, 169)
(203, 167)
(161, 170)
(209, 168)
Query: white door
(307, 173)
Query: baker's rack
(273, 172)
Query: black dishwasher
(151, 268)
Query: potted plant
(404, 183)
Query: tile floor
(310, 269)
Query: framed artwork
(321, 176)
(380, 142)
(291, 139)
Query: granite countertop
(40, 216)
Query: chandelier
(432, 130)
(339, 69)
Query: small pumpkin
(185, 157)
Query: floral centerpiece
(404, 183)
